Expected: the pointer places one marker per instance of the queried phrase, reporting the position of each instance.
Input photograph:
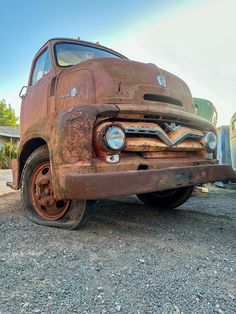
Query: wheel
(38, 196)
(168, 199)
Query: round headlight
(210, 140)
(115, 137)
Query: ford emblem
(161, 80)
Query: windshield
(68, 54)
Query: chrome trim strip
(158, 132)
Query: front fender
(71, 141)
(68, 135)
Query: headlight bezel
(209, 138)
(108, 141)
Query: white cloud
(199, 45)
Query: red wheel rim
(41, 189)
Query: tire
(38, 197)
(168, 199)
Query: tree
(7, 114)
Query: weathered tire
(168, 199)
(38, 198)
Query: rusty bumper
(93, 186)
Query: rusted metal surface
(135, 162)
(98, 81)
(42, 194)
(107, 90)
(81, 79)
(15, 175)
(168, 154)
(106, 185)
(68, 134)
(162, 112)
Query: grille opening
(143, 167)
(140, 135)
(162, 98)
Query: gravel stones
(127, 260)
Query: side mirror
(22, 92)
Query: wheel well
(28, 149)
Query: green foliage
(7, 114)
(7, 153)
(3, 161)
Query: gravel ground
(129, 259)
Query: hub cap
(42, 194)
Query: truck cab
(97, 125)
(206, 109)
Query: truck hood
(120, 81)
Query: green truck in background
(226, 152)
(205, 109)
(233, 140)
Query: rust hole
(143, 167)
(45, 171)
(60, 204)
(119, 87)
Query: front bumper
(92, 186)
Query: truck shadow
(193, 229)
(126, 213)
(130, 212)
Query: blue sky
(26, 25)
(147, 31)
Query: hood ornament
(161, 80)
(172, 127)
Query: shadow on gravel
(130, 211)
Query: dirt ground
(129, 259)
(5, 176)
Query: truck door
(34, 104)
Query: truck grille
(157, 132)
(151, 137)
(148, 138)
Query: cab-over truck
(97, 125)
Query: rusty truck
(96, 125)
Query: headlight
(210, 140)
(115, 137)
